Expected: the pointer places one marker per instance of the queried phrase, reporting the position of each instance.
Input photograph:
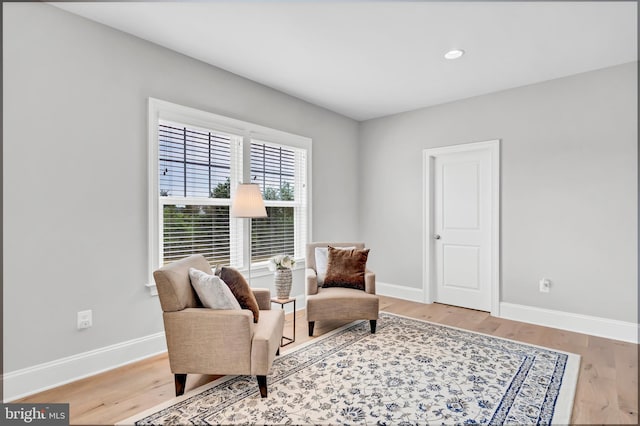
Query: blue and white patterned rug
(410, 372)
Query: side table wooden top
(282, 301)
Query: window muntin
(193, 162)
(273, 168)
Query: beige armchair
(216, 342)
(336, 303)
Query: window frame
(235, 156)
(248, 132)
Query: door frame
(428, 249)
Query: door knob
(437, 236)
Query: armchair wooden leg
(372, 323)
(181, 381)
(262, 384)
(311, 324)
(278, 351)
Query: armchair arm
(312, 281)
(369, 282)
(209, 341)
(263, 296)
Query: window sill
(257, 271)
(153, 290)
(262, 270)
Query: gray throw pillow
(212, 291)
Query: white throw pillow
(322, 260)
(212, 291)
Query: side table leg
(282, 338)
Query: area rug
(409, 372)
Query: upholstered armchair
(216, 342)
(337, 303)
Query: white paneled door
(462, 222)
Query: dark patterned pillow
(346, 268)
(240, 289)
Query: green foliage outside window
(205, 229)
(223, 190)
(196, 229)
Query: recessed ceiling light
(454, 54)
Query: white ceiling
(370, 59)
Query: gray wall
(75, 180)
(75, 174)
(569, 188)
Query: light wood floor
(607, 391)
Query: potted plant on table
(281, 266)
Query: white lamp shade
(248, 201)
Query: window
(196, 160)
(194, 178)
(279, 171)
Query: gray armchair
(216, 342)
(336, 303)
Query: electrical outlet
(85, 319)
(545, 285)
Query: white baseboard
(400, 292)
(595, 326)
(30, 380)
(27, 381)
